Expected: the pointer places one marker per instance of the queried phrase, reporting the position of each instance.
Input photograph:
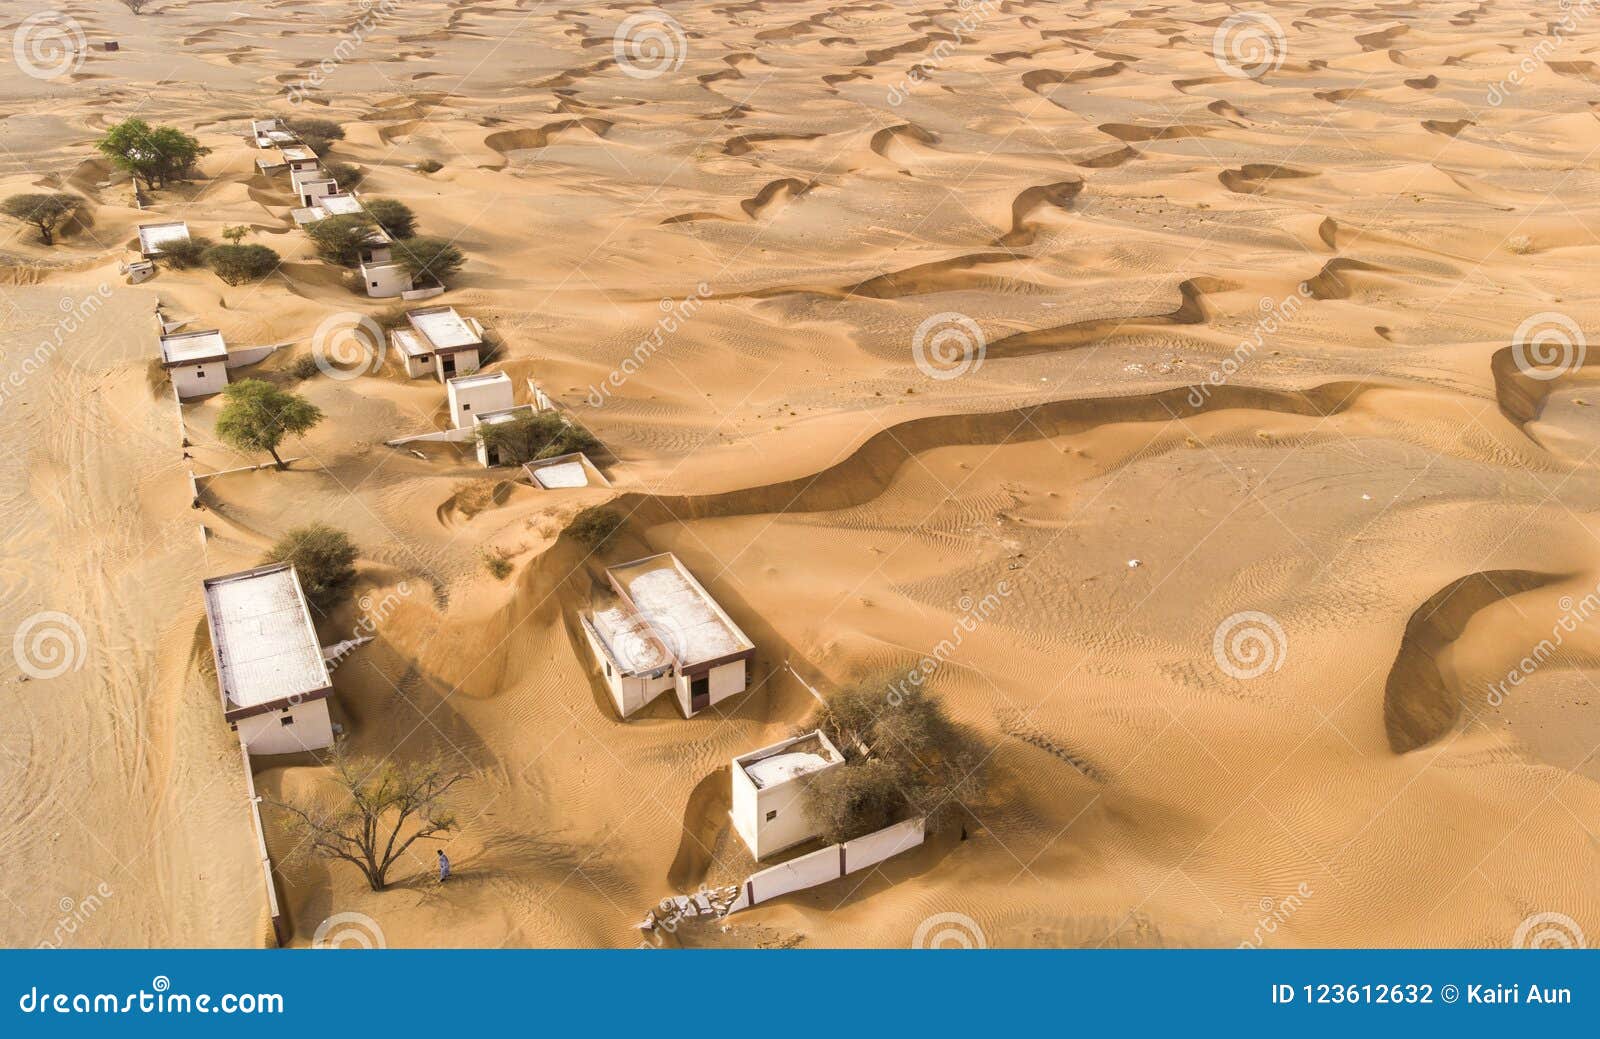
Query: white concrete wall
(819, 867)
(198, 380)
(266, 734)
(745, 810)
(629, 694)
(385, 282)
(466, 362)
(727, 680)
(416, 367)
(467, 401)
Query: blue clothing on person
(444, 868)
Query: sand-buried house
(439, 342)
(155, 237)
(270, 668)
(768, 784)
(564, 472)
(272, 133)
(196, 362)
(658, 629)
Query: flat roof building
(271, 673)
(153, 237)
(439, 342)
(196, 362)
(481, 393)
(768, 787)
(565, 471)
(659, 629)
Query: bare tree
(136, 6)
(382, 809)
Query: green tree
(236, 234)
(155, 155)
(46, 212)
(185, 252)
(532, 435)
(324, 557)
(339, 239)
(428, 259)
(257, 416)
(379, 809)
(393, 216)
(238, 264)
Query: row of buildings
(320, 197)
(653, 631)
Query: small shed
(298, 158)
(767, 787)
(271, 133)
(270, 669)
(197, 362)
(154, 237)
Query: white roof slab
(193, 348)
(674, 604)
(444, 328)
(153, 236)
(266, 647)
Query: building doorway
(699, 692)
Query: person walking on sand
(444, 867)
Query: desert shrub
(430, 165)
(533, 435)
(497, 564)
(238, 264)
(317, 134)
(392, 317)
(323, 556)
(1520, 244)
(473, 496)
(596, 525)
(393, 216)
(305, 367)
(347, 175)
(185, 253)
(917, 762)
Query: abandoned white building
(271, 133)
(768, 788)
(312, 185)
(380, 276)
(196, 362)
(659, 630)
(439, 342)
(343, 204)
(565, 471)
(478, 394)
(154, 237)
(270, 668)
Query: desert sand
(1233, 354)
